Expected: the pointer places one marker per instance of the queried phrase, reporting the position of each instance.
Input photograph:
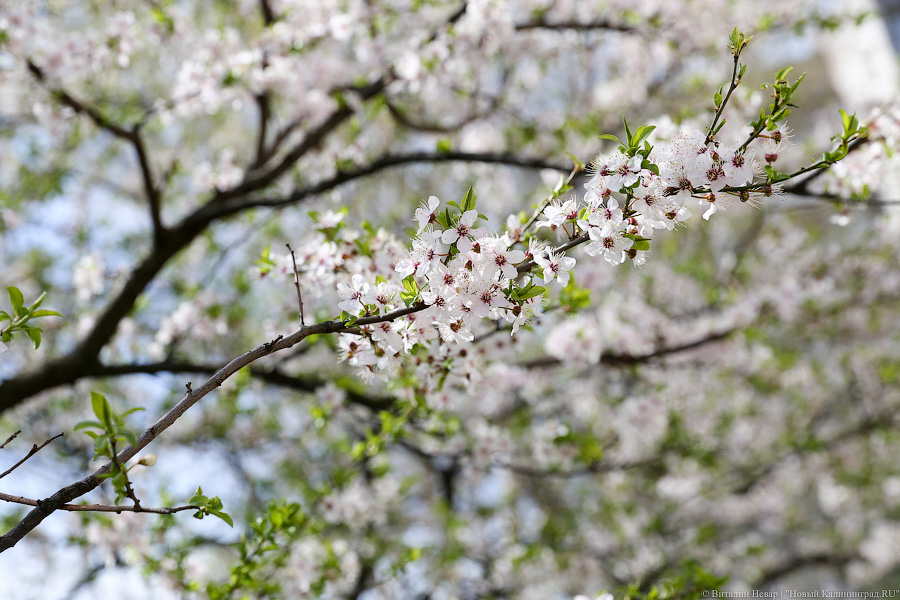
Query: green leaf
(780, 75)
(642, 245)
(15, 297)
(83, 424)
(132, 410)
(102, 410)
(573, 297)
(224, 516)
(45, 313)
(37, 303)
(641, 134)
(468, 201)
(575, 161)
(129, 436)
(607, 136)
(34, 334)
(443, 218)
(531, 292)
(845, 118)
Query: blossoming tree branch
(422, 319)
(458, 274)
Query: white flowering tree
(364, 271)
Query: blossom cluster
(458, 273)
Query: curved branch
(131, 135)
(387, 162)
(611, 358)
(267, 12)
(801, 188)
(588, 469)
(312, 140)
(45, 508)
(82, 361)
(571, 25)
(300, 383)
(770, 577)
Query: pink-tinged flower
(555, 266)
(535, 247)
(610, 214)
(739, 168)
(462, 230)
(407, 266)
(425, 213)
(444, 278)
(427, 252)
(714, 177)
(626, 171)
(382, 296)
(675, 213)
(356, 350)
(714, 202)
(611, 243)
(354, 293)
(521, 314)
(771, 150)
(558, 213)
(698, 167)
(388, 336)
(487, 298)
(514, 228)
(649, 200)
(329, 219)
(455, 331)
(439, 299)
(504, 260)
(597, 196)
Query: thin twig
(735, 81)
(540, 209)
(297, 284)
(129, 491)
(97, 507)
(130, 134)
(9, 439)
(34, 450)
(529, 264)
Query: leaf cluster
(22, 315)
(110, 434)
